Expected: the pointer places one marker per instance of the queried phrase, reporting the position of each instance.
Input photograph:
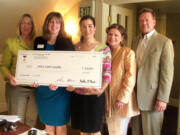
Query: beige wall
(102, 12)
(10, 12)
(72, 15)
(125, 11)
(101, 16)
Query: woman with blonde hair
(20, 99)
(120, 97)
(53, 102)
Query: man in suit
(154, 55)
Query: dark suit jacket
(155, 74)
(62, 44)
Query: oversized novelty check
(61, 68)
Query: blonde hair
(32, 23)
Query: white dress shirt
(142, 45)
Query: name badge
(40, 46)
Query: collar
(148, 35)
(23, 44)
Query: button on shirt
(142, 45)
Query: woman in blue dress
(53, 102)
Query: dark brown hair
(86, 17)
(147, 10)
(57, 15)
(121, 29)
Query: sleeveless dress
(53, 106)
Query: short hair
(86, 17)
(121, 29)
(147, 10)
(32, 23)
(46, 33)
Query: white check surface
(62, 68)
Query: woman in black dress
(87, 104)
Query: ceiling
(38, 5)
(164, 7)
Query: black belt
(27, 87)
